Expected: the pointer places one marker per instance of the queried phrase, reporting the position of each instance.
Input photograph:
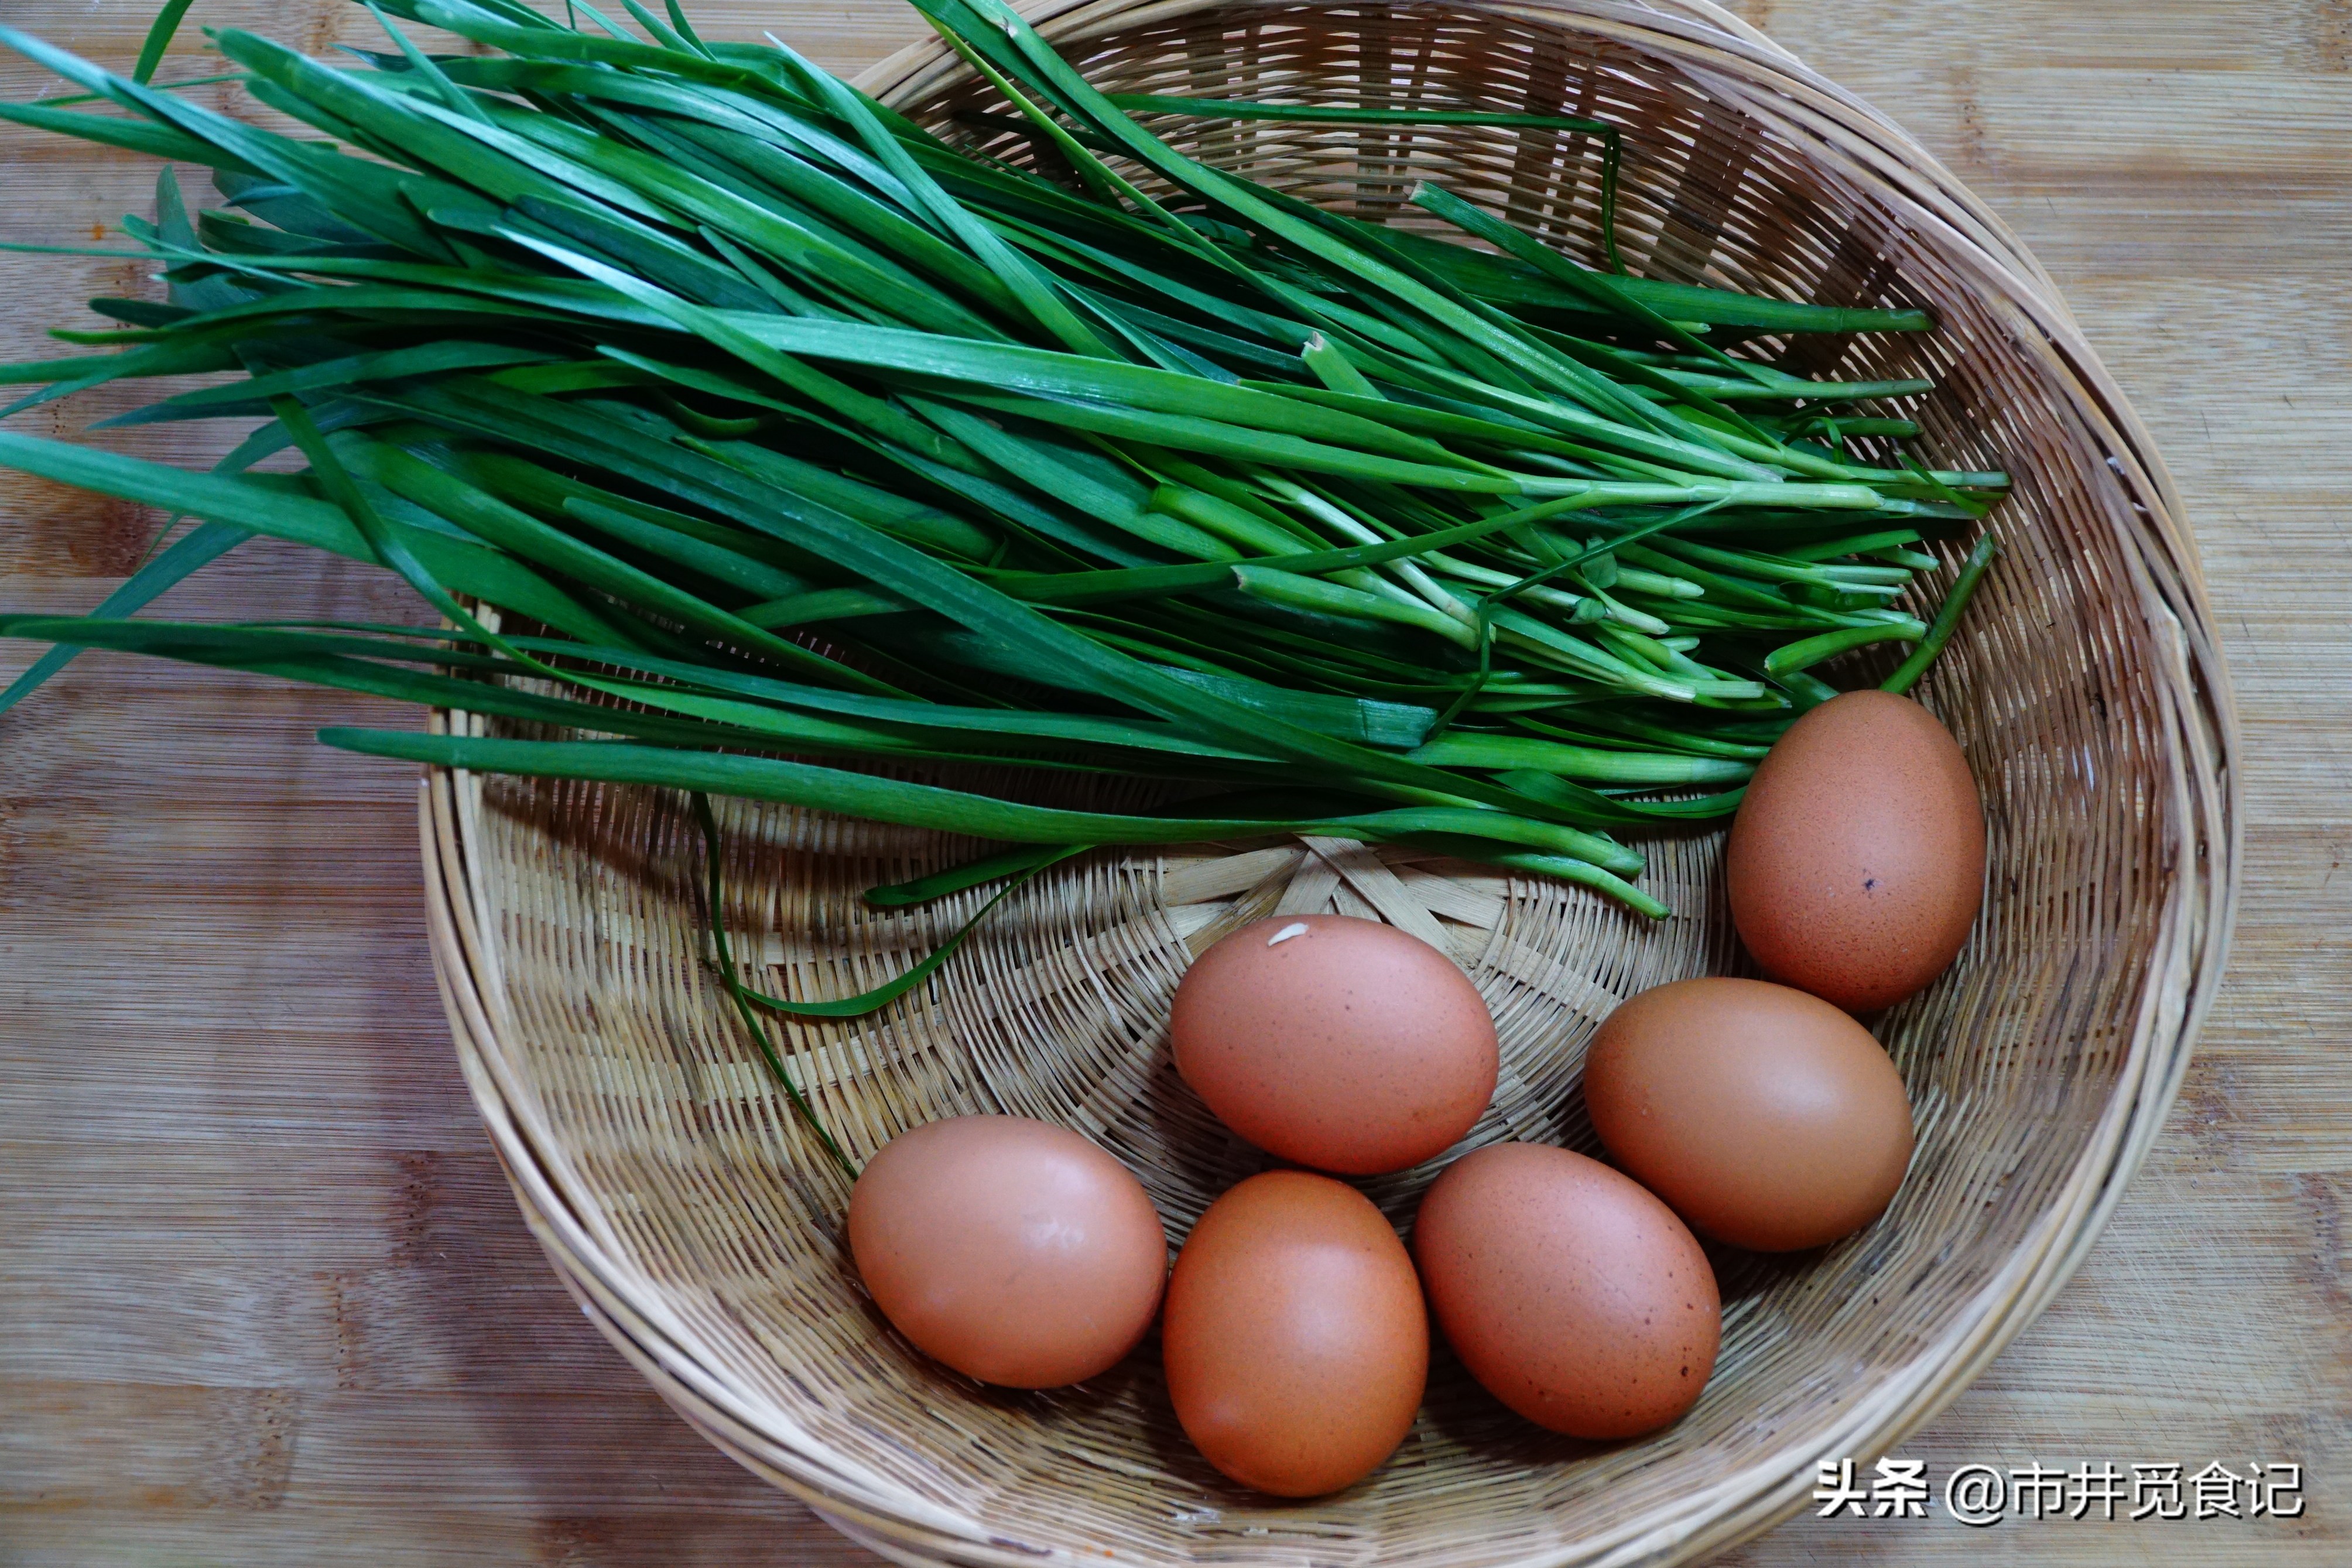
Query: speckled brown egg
(1856, 862)
(1296, 1340)
(1342, 1044)
(1765, 1116)
(1013, 1250)
(1573, 1296)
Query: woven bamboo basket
(702, 1231)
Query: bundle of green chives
(776, 428)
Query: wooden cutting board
(264, 1298)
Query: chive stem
(1947, 616)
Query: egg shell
(1342, 1044)
(1015, 1251)
(1570, 1293)
(1764, 1117)
(1295, 1341)
(1856, 862)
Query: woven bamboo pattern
(702, 1229)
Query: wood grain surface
(264, 1298)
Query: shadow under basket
(702, 1229)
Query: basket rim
(2196, 710)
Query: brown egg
(1766, 1118)
(1856, 863)
(1342, 1044)
(1014, 1251)
(1576, 1297)
(1296, 1340)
